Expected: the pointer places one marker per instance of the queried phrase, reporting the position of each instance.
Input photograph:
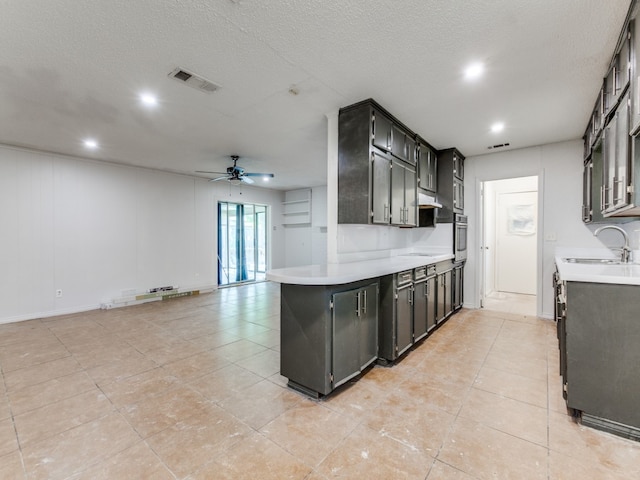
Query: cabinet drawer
(405, 277)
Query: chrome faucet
(625, 252)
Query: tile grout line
(13, 423)
(468, 392)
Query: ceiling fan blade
(218, 179)
(270, 175)
(217, 173)
(246, 180)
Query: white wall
(319, 225)
(95, 229)
(559, 170)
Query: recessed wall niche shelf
(296, 209)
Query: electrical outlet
(59, 293)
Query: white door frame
(480, 238)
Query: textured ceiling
(71, 70)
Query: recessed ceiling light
(265, 179)
(91, 144)
(148, 99)
(474, 71)
(497, 127)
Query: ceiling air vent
(193, 80)
(500, 145)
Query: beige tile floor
(511, 303)
(189, 388)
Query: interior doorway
(509, 245)
(242, 243)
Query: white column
(332, 187)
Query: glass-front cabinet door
(381, 186)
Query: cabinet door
(444, 295)
(458, 166)
(458, 196)
(596, 118)
(611, 88)
(623, 63)
(398, 212)
(588, 140)
(448, 297)
(431, 291)
(622, 167)
(420, 298)
(368, 334)
(441, 307)
(345, 354)
(587, 185)
(410, 197)
(458, 287)
(404, 320)
(402, 145)
(410, 146)
(381, 187)
(432, 168)
(381, 131)
(608, 164)
(635, 74)
(426, 168)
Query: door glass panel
(261, 241)
(242, 253)
(249, 243)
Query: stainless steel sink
(594, 261)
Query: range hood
(427, 201)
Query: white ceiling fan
(236, 174)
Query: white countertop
(625, 274)
(340, 273)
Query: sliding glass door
(242, 243)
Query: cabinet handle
(411, 296)
(616, 190)
(605, 200)
(386, 212)
(364, 302)
(426, 288)
(358, 305)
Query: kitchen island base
(336, 320)
(328, 334)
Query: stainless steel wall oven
(460, 237)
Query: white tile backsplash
(367, 242)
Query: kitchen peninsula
(337, 319)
